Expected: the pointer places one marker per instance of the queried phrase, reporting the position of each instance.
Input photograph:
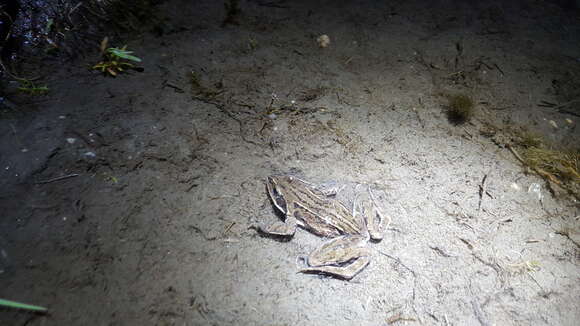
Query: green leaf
(18, 305)
(124, 54)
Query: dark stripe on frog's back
(348, 226)
(276, 197)
(314, 225)
(312, 199)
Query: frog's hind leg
(343, 257)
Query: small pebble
(323, 41)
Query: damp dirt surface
(134, 200)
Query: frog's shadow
(276, 237)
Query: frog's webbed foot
(285, 229)
(343, 257)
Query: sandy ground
(155, 226)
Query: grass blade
(121, 53)
(18, 305)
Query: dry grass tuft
(529, 139)
(564, 165)
(459, 109)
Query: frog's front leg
(342, 257)
(286, 228)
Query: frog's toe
(279, 228)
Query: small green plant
(110, 178)
(18, 305)
(459, 109)
(116, 60)
(29, 87)
(252, 44)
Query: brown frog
(304, 205)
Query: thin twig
(441, 252)
(499, 69)
(414, 281)
(482, 190)
(418, 117)
(398, 261)
(222, 107)
(228, 228)
(558, 107)
(569, 112)
(58, 178)
(397, 318)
